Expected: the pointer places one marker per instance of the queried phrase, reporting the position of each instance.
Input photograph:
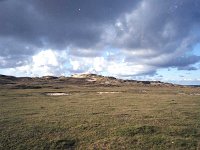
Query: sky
(128, 39)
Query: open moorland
(96, 112)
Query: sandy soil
(57, 94)
(108, 92)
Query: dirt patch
(91, 80)
(57, 94)
(182, 93)
(195, 94)
(108, 92)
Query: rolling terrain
(91, 111)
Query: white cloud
(47, 57)
(127, 69)
(113, 66)
(46, 62)
(87, 64)
(75, 64)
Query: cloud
(189, 68)
(121, 38)
(88, 65)
(46, 62)
(155, 33)
(56, 24)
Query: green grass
(159, 118)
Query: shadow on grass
(67, 144)
(185, 132)
(134, 130)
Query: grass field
(135, 117)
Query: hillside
(80, 79)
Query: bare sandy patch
(182, 93)
(57, 94)
(195, 94)
(108, 92)
(91, 80)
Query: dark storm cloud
(183, 61)
(51, 23)
(96, 11)
(189, 68)
(160, 28)
(55, 24)
(159, 24)
(85, 53)
(15, 60)
(155, 33)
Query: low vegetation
(123, 116)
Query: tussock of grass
(185, 132)
(134, 130)
(63, 144)
(186, 144)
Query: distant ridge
(76, 79)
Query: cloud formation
(120, 38)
